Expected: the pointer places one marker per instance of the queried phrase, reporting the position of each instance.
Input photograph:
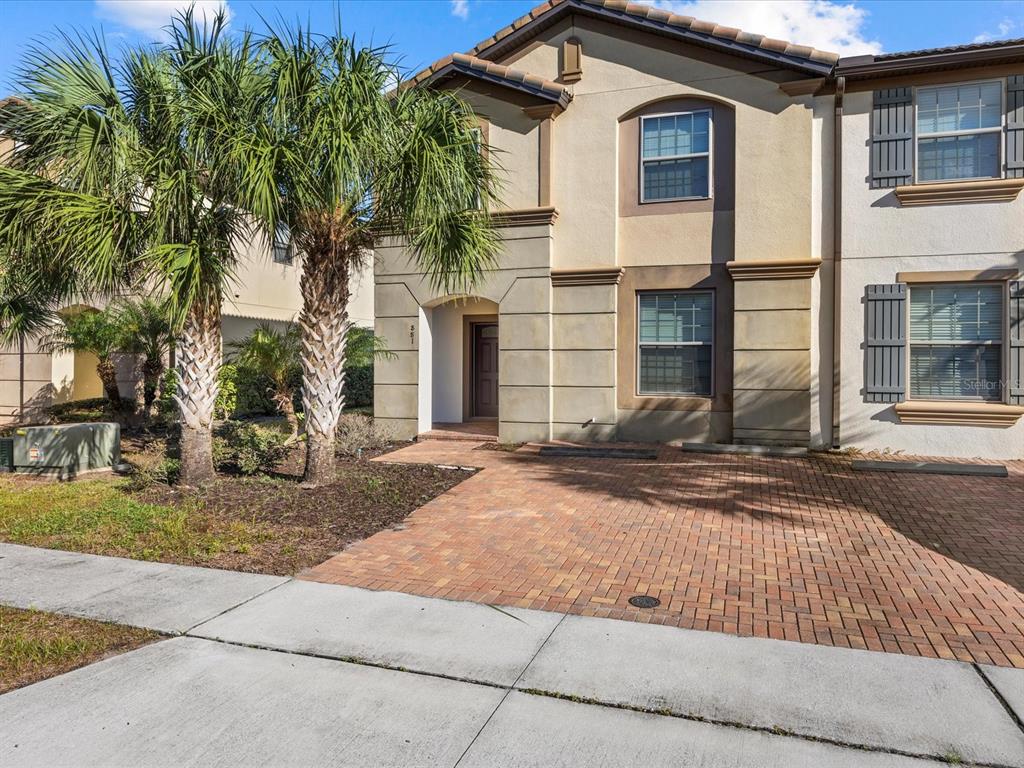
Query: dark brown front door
(485, 369)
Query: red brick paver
(798, 549)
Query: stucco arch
(652, 104)
(461, 299)
(73, 374)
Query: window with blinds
(959, 131)
(956, 341)
(675, 333)
(675, 156)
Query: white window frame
(639, 344)
(1004, 352)
(1000, 129)
(709, 155)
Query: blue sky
(422, 31)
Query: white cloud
(460, 8)
(1004, 29)
(827, 26)
(151, 17)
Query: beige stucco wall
(421, 342)
(38, 388)
(266, 290)
(622, 72)
(882, 239)
(561, 344)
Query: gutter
(837, 254)
(915, 62)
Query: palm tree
(113, 184)
(362, 347)
(96, 332)
(146, 331)
(339, 161)
(275, 354)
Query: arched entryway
(458, 365)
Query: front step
(456, 437)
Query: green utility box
(66, 449)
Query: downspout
(21, 377)
(837, 255)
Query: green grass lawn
(98, 516)
(36, 645)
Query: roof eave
(530, 30)
(453, 69)
(865, 67)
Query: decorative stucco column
(583, 344)
(772, 351)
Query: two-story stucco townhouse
(675, 201)
(265, 289)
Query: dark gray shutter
(1015, 127)
(1016, 372)
(885, 346)
(892, 138)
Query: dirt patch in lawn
(35, 645)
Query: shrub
(165, 472)
(166, 408)
(358, 433)
(226, 404)
(91, 409)
(247, 448)
(358, 388)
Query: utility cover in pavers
(906, 703)
(198, 703)
(160, 596)
(550, 733)
(442, 637)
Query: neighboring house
(672, 220)
(265, 289)
(932, 303)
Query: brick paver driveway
(799, 549)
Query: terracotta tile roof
(475, 62)
(471, 66)
(931, 59)
(659, 16)
(950, 49)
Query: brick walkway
(799, 549)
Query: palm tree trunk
(285, 405)
(152, 372)
(199, 360)
(323, 320)
(107, 372)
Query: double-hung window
(675, 156)
(959, 132)
(675, 333)
(956, 341)
(282, 249)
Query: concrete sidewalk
(282, 671)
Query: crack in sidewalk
(509, 688)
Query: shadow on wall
(977, 522)
(36, 404)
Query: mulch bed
(302, 527)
